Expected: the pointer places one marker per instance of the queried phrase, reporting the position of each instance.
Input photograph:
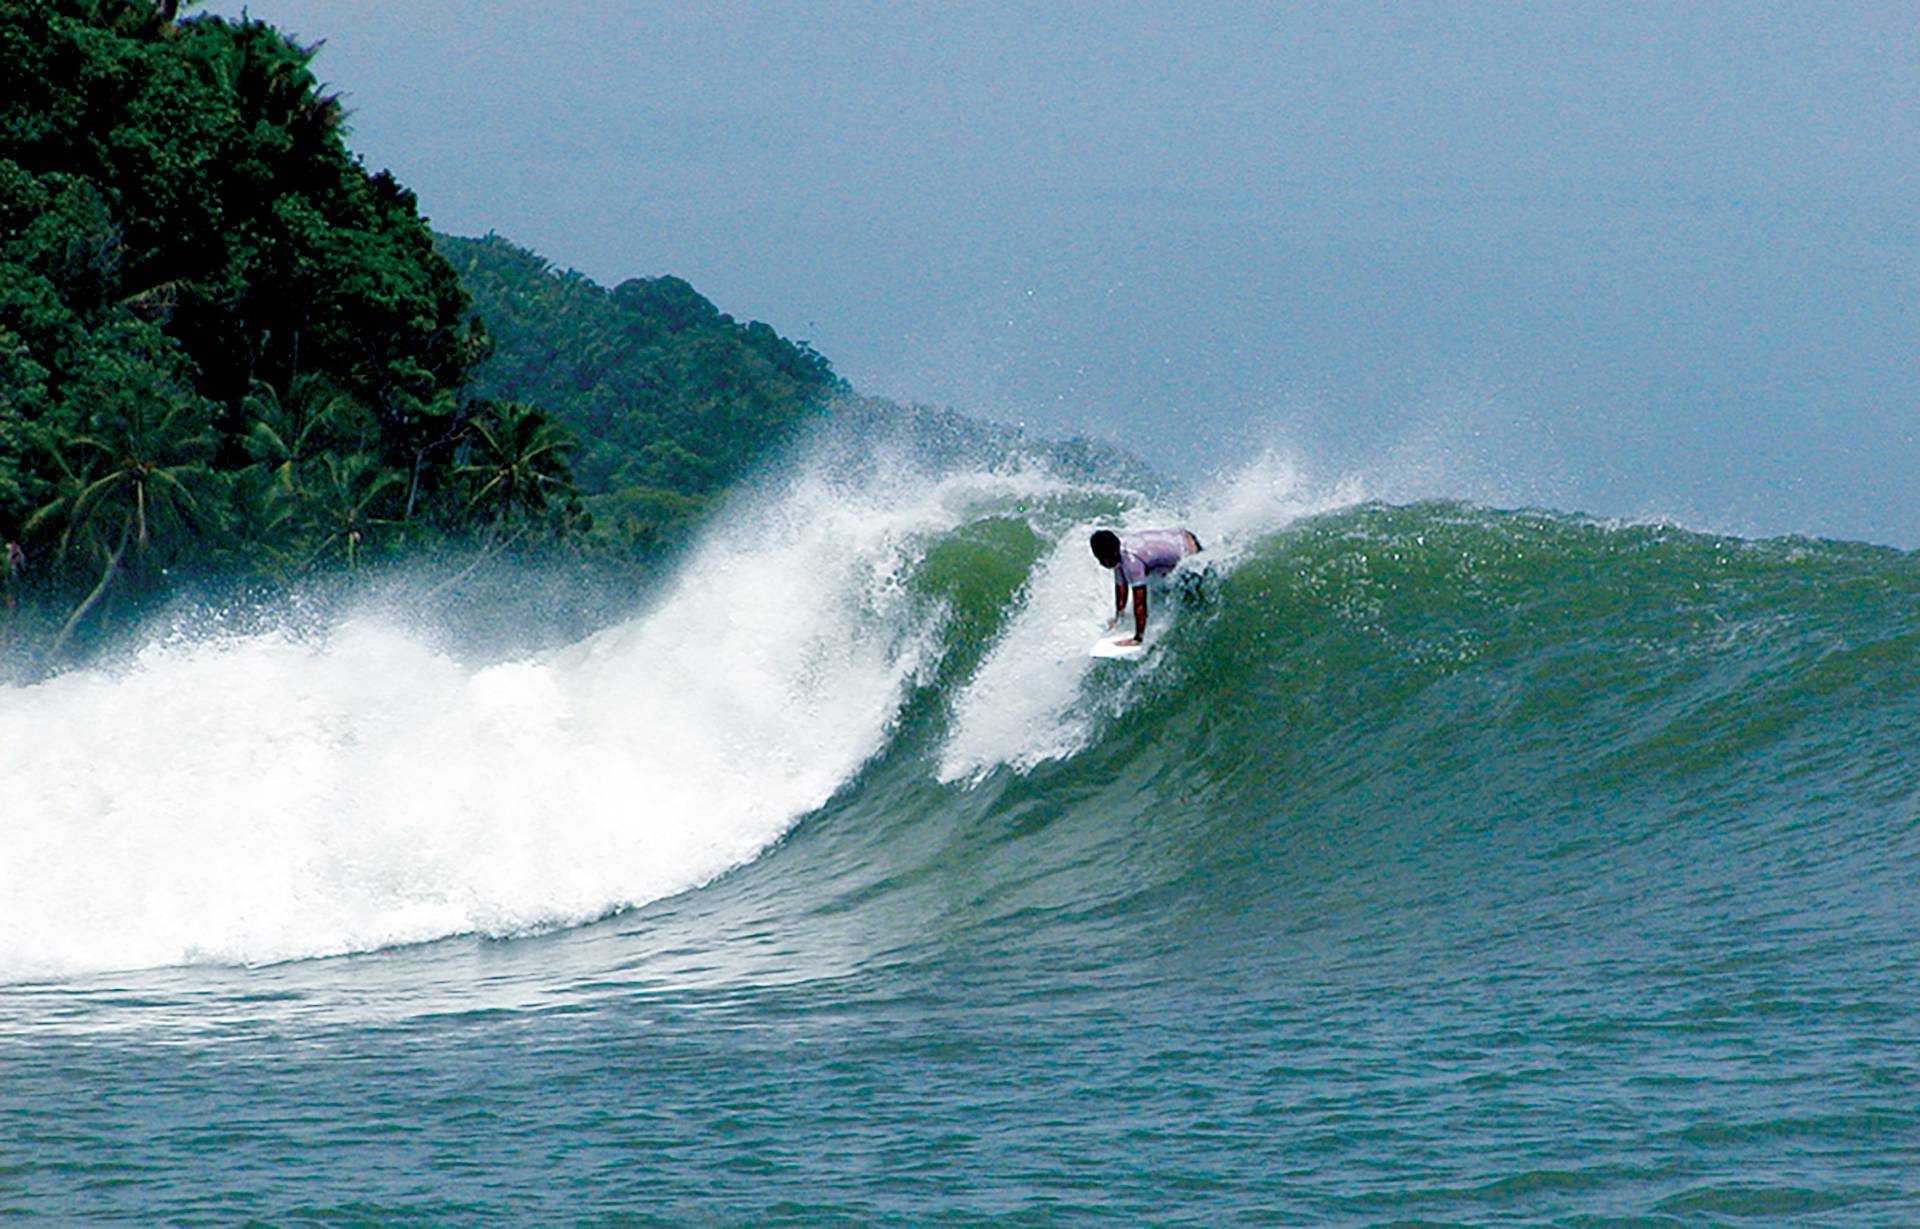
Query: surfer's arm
(1119, 601)
(1139, 615)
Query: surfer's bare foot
(1129, 642)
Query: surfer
(1133, 558)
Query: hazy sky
(1634, 259)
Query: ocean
(1439, 865)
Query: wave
(892, 658)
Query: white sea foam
(270, 796)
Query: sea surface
(1438, 865)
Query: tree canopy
(188, 256)
(227, 347)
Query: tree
(23, 399)
(191, 259)
(124, 492)
(335, 512)
(518, 467)
(315, 416)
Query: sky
(1634, 260)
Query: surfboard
(1110, 646)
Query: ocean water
(1438, 865)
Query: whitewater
(1439, 864)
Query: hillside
(230, 353)
(671, 399)
(226, 347)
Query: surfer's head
(1106, 547)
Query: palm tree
(283, 436)
(337, 511)
(519, 464)
(314, 415)
(125, 487)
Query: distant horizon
(1650, 265)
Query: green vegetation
(672, 400)
(227, 349)
(212, 318)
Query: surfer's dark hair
(1106, 545)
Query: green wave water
(1438, 865)
(1439, 696)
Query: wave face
(898, 659)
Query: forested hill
(226, 347)
(229, 351)
(670, 399)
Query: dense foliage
(223, 342)
(672, 400)
(227, 348)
